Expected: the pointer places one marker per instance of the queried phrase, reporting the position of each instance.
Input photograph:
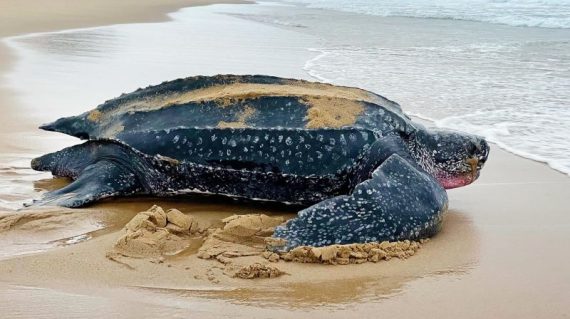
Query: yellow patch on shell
(228, 94)
(167, 159)
(331, 112)
(247, 113)
(94, 116)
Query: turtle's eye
(471, 149)
(477, 148)
(407, 136)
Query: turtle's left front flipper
(99, 169)
(398, 202)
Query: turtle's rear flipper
(100, 169)
(398, 202)
(100, 180)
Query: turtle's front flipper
(100, 169)
(398, 202)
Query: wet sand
(501, 254)
(21, 17)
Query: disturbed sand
(500, 253)
(239, 245)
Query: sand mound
(239, 248)
(349, 254)
(154, 233)
(241, 235)
(257, 270)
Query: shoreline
(438, 122)
(19, 18)
(504, 233)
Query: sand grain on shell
(241, 91)
(94, 116)
(242, 117)
(331, 112)
(229, 94)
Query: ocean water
(527, 13)
(481, 73)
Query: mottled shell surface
(242, 121)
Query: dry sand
(501, 253)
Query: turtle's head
(455, 159)
(80, 126)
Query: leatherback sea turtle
(366, 171)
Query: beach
(501, 252)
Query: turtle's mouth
(449, 181)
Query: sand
(234, 90)
(503, 234)
(155, 233)
(330, 112)
(500, 254)
(241, 247)
(27, 16)
(242, 117)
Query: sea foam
(520, 13)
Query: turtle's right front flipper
(398, 202)
(99, 169)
